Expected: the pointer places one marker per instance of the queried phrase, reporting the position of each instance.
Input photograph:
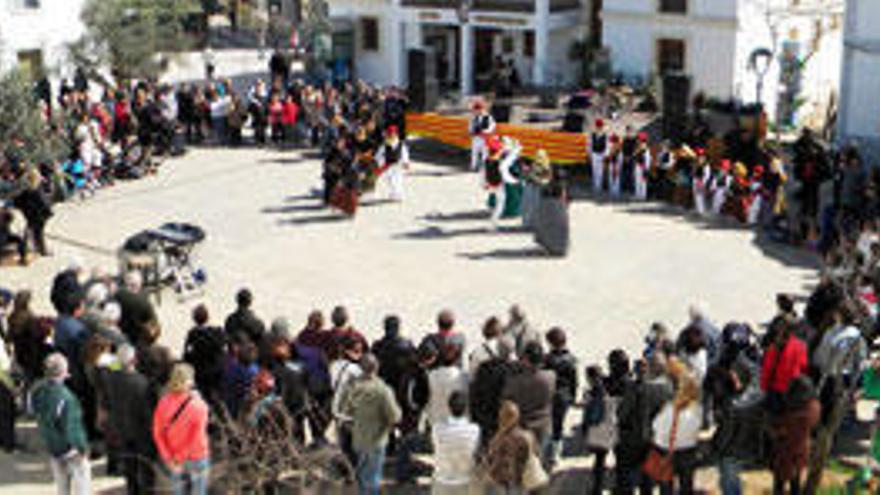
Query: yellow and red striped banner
(563, 147)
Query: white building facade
(859, 115)
(34, 34)
(695, 37)
(535, 35)
(712, 41)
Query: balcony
(516, 6)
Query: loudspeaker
(424, 89)
(676, 92)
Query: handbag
(534, 475)
(659, 467)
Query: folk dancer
(702, 176)
(482, 126)
(538, 175)
(364, 158)
(598, 151)
(663, 177)
(341, 189)
(757, 190)
(497, 174)
(722, 180)
(642, 160)
(393, 160)
(627, 172)
(615, 166)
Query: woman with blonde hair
(35, 208)
(180, 430)
(677, 427)
(509, 452)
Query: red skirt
(344, 199)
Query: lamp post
(465, 49)
(759, 63)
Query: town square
(439, 246)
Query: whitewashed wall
(710, 46)
(860, 85)
(49, 28)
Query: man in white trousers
(702, 177)
(642, 167)
(393, 161)
(482, 126)
(598, 151)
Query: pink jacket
(185, 438)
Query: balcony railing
(518, 6)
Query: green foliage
(21, 120)
(129, 35)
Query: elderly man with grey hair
(519, 331)
(130, 407)
(370, 406)
(60, 420)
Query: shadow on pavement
(481, 214)
(530, 253)
(436, 232)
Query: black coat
(130, 408)
(246, 322)
(66, 292)
(137, 313)
(34, 206)
(205, 350)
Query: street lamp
(463, 11)
(759, 63)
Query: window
(673, 6)
(670, 55)
(30, 4)
(30, 63)
(370, 34)
(529, 44)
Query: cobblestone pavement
(629, 265)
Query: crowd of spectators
(493, 413)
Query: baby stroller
(167, 258)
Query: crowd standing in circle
(492, 413)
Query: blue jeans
(369, 470)
(193, 480)
(729, 469)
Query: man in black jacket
(205, 350)
(243, 320)
(130, 412)
(138, 313)
(393, 352)
(563, 364)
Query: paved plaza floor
(629, 265)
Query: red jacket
(183, 439)
(289, 113)
(792, 364)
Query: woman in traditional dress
(497, 175)
(341, 178)
(551, 223)
(539, 175)
(364, 159)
